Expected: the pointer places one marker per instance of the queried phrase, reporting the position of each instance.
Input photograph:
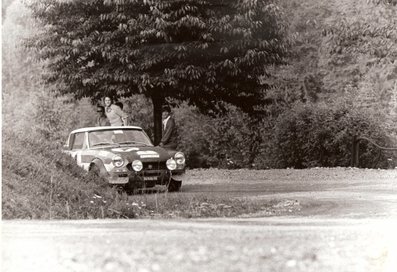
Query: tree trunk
(158, 102)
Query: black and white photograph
(199, 135)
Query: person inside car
(116, 116)
(169, 131)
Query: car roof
(88, 129)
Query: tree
(203, 51)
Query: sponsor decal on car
(103, 153)
(125, 149)
(148, 154)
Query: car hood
(146, 153)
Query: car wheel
(94, 170)
(131, 187)
(174, 185)
(95, 175)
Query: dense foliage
(360, 57)
(320, 135)
(233, 139)
(299, 135)
(196, 50)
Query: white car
(126, 157)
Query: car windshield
(118, 137)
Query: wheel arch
(98, 163)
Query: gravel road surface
(347, 222)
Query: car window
(66, 145)
(78, 142)
(118, 136)
(100, 137)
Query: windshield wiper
(133, 142)
(103, 143)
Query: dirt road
(324, 192)
(347, 222)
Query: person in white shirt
(170, 136)
(116, 116)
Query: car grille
(154, 166)
(152, 173)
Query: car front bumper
(146, 178)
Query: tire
(95, 176)
(94, 170)
(131, 187)
(175, 185)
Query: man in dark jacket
(169, 139)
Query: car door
(78, 146)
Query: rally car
(125, 157)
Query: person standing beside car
(116, 116)
(101, 120)
(170, 136)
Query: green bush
(55, 117)
(223, 141)
(311, 135)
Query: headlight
(137, 165)
(118, 161)
(171, 164)
(180, 158)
